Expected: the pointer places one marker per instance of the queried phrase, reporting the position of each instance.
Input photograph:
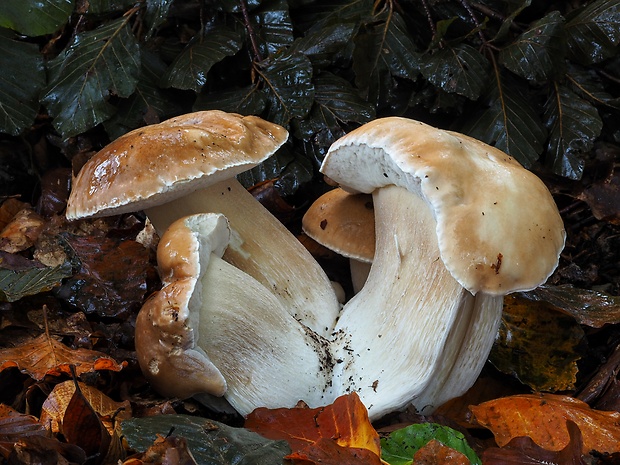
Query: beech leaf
(189, 70)
(461, 70)
(543, 418)
(345, 423)
(47, 356)
(35, 17)
(538, 53)
(96, 65)
(210, 442)
(15, 425)
(23, 77)
(594, 33)
(274, 24)
(574, 124)
(16, 284)
(537, 344)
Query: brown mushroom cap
(344, 223)
(161, 162)
(166, 328)
(498, 227)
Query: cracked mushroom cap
(498, 227)
(154, 164)
(166, 330)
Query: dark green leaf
(17, 284)
(573, 124)
(189, 70)
(210, 442)
(538, 53)
(587, 83)
(274, 26)
(461, 70)
(401, 445)
(508, 21)
(337, 96)
(234, 6)
(246, 101)
(337, 12)
(288, 82)
(103, 7)
(510, 123)
(96, 65)
(148, 104)
(594, 33)
(21, 81)
(321, 45)
(35, 17)
(156, 14)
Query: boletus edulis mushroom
(187, 165)
(458, 225)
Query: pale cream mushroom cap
(166, 329)
(498, 227)
(155, 164)
(344, 223)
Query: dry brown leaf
(22, 232)
(54, 407)
(15, 425)
(341, 426)
(543, 418)
(47, 356)
(9, 208)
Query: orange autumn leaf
(47, 356)
(316, 434)
(436, 453)
(543, 418)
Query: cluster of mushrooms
(245, 312)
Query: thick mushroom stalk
(458, 225)
(187, 165)
(213, 328)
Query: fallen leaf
(47, 356)
(523, 451)
(345, 423)
(586, 306)
(9, 208)
(168, 450)
(436, 453)
(43, 450)
(15, 425)
(55, 406)
(543, 418)
(403, 446)
(22, 232)
(537, 345)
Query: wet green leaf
(594, 33)
(538, 53)
(461, 70)
(96, 65)
(510, 123)
(274, 26)
(514, 11)
(337, 96)
(321, 45)
(588, 84)
(156, 14)
(103, 7)
(246, 101)
(537, 345)
(21, 82)
(573, 124)
(35, 17)
(15, 285)
(401, 445)
(189, 70)
(210, 442)
(288, 83)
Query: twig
(250, 29)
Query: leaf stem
(248, 26)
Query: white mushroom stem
(267, 358)
(263, 248)
(411, 318)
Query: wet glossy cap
(152, 165)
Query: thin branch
(250, 29)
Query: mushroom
(187, 165)
(345, 223)
(458, 225)
(213, 328)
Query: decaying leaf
(55, 406)
(523, 451)
(543, 418)
(15, 425)
(436, 453)
(538, 345)
(22, 231)
(170, 449)
(47, 356)
(344, 423)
